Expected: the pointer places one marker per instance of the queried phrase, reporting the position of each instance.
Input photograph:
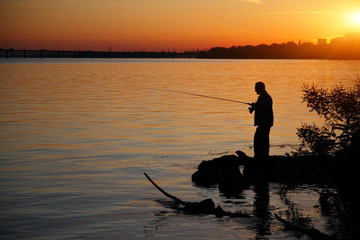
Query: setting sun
(356, 18)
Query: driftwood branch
(206, 206)
(178, 201)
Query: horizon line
(168, 50)
(172, 49)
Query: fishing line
(205, 96)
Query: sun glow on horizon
(355, 18)
(176, 24)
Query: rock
(223, 171)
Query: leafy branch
(340, 108)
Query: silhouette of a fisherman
(264, 119)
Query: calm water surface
(77, 135)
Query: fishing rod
(200, 95)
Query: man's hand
(252, 108)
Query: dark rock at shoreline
(225, 171)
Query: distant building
(322, 42)
(337, 40)
(349, 39)
(353, 36)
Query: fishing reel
(251, 109)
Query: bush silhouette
(340, 108)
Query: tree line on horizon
(289, 50)
(347, 47)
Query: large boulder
(223, 171)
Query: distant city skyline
(347, 47)
(156, 25)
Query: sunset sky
(167, 24)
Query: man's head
(259, 87)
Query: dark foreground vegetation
(339, 137)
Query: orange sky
(168, 24)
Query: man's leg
(257, 143)
(266, 132)
(261, 142)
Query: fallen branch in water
(206, 206)
(178, 201)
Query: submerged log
(178, 201)
(206, 206)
